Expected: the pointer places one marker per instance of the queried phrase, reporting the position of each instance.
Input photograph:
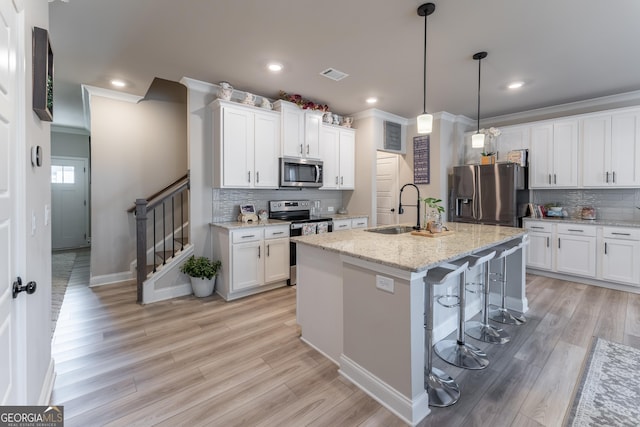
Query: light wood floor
(191, 362)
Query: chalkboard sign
(421, 159)
(392, 136)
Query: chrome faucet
(401, 209)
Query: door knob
(393, 209)
(19, 287)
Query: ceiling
(564, 51)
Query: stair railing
(155, 207)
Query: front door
(11, 176)
(69, 202)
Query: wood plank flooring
(191, 361)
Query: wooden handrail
(174, 187)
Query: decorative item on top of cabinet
(225, 92)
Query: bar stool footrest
(487, 333)
(464, 356)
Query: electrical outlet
(329, 208)
(384, 283)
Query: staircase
(162, 243)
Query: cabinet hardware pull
(537, 228)
(268, 250)
(249, 176)
(558, 243)
(573, 229)
(547, 241)
(257, 176)
(300, 148)
(278, 232)
(248, 236)
(614, 177)
(258, 251)
(621, 234)
(555, 181)
(341, 180)
(607, 177)
(307, 148)
(605, 248)
(549, 179)
(336, 179)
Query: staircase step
(182, 240)
(165, 255)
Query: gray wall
(136, 150)
(66, 144)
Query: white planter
(203, 287)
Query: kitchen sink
(396, 229)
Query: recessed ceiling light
(372, 100)
(515, 85)
(275, 67)
(118, 83)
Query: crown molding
(199, 85)
(89, 91)
(379, 114)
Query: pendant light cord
(424, 69)
(479, 65)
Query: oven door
(300, 172)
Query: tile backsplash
(226, 203)
(613, 204)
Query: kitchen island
(360, 302)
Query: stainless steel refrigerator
(489, 194)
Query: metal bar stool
(457, 352)
(501, 314)
(483, 331)
(441, 388)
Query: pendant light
(477, 140)
(425, 121)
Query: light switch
(47, 213)
(384, 283)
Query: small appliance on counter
(555, 211)
(588, 212)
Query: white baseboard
(319, 351)
(108, 279)
(585, 280)
(410, 411)
(47, 384)
(167, 293)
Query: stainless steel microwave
(300, 172)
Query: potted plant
(433, 214)
(202, 272)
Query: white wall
(136, 150)
(67, 143)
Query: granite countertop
(232, 225)
(413, 253)
(605, 222)
(344, 216)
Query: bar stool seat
(440, 386)
(457, 352)
(501, 314)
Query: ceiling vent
(333, 74)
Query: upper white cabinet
(246, 142)
(300, 130)
(338, 156)
(554, 154)
(611, 150)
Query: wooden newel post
(141, 244)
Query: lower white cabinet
(359, 222)
(540, 250)
(341, 224)
(621, 255)
(576, 249)
(254, 259)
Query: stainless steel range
(302, 224)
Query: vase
(203, 287)
(488, 160)
(432, 220)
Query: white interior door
(387, 188)
(69, 202)
(11, 173)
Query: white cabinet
(576, 250)
(621, 255)
(554, 154)
(254, 259)
(300, 130)
(341, 224)
(338, 156)
(245, 146)
(611, 150)
(359, 222)
(540, 250)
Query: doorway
(69, 202)
(386, 188)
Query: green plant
(201, 267)
(432, 202)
